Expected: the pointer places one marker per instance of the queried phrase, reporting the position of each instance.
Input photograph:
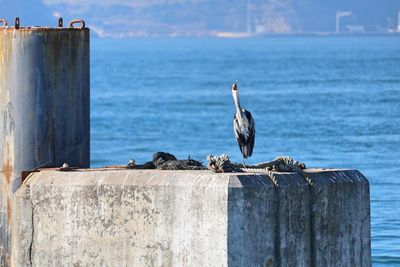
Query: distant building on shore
(355, 29)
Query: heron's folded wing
(238, 131)
(250, 130)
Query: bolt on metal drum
(44, 106)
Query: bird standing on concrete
(243, 126)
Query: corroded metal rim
(17, 26)
(40, 28)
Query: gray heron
(243, 126)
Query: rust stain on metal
(7, 163)
(7, 169)
(8, 210)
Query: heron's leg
(244, 165)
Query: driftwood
(167, 161)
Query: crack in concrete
(32, 234)
(33, 229)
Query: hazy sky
(202, 17)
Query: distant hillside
(121, 18)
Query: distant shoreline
(249, 36)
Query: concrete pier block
(293, 220)
(340, 218)
(189, 218)
(251, 221)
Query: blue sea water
(326, 101)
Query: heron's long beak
(234, 86)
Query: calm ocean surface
(329, 102)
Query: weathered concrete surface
(44, 107)
(293, 220)
(251, 221)
(187, 218)
(340, 218)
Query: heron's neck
(236, 100)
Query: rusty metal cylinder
(44, 107)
